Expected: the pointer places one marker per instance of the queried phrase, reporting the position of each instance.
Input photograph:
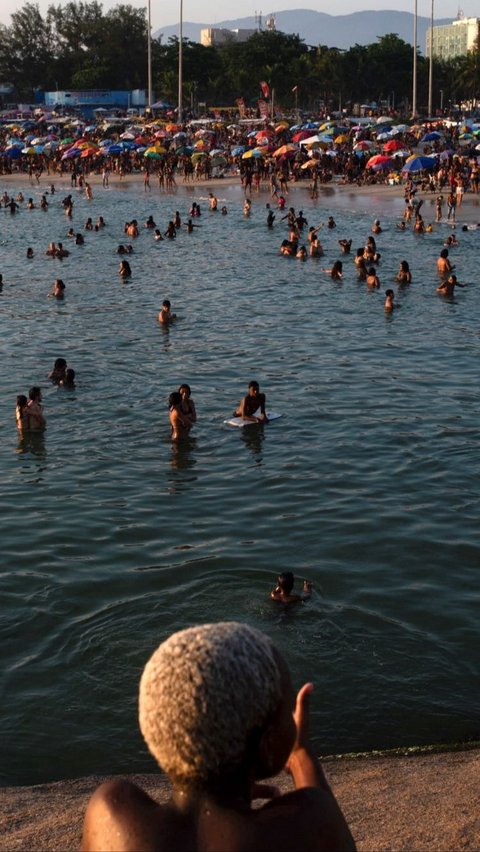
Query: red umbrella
(378, 160)
(393, 145)
(302, 134)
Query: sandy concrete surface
(425, 802)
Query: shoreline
(400, 801)
(334, 193)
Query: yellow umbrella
(341, 139)
(156, 149)
(284, 149)
(319, 144)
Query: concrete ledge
(421, 802)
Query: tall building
(455, 39)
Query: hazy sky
(207, 11)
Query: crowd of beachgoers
(352, 151)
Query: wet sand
(423, 802)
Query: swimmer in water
(187, 406)
(212, 201)
(224, 211)
(124, 269)
(251, 403)
(58, 373)
(69, 379)
(404, 276)
(21, 413)
(171, 232)
(165, 316)
(150, 223)
(444, 267)
(179, 422)
(36, 417)
(346, 245)
(157, 235)
(247, 207)
(301, 253)
(389, 300)
(447, 288)
(58, 290)
(372, 279)
(336, 272)
(331, 222)
(283, 593)
(29, 253)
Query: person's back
(217, 710)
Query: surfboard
(240, 422)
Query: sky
(167, 13)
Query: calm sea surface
(112, 538)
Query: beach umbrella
(14, 153)
(301, 135)
(152, 154)
(384, 119)
(285, 149)
(127, 135)
(281, 126)
(383, 137)
(71, 153)
(310, 164)
(185, 150)
(197, 155)
(30, 150)
(217, 151)
(341, 139)
(253, 152)
(217, 162)
(393, 145)
(264, 134)
(310, 125)
(379, 160)
(239, 149)
(364, 145)
(418, 164)
(430, 137)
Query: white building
(216, 36)
(455, 39)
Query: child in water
(218, 712)
(283, 592)
(165, 316)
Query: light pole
(149, 55)
(430, 68)
(180, 65)
(414, 93)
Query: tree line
(79, 46)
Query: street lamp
(180, 65)
(414, 93)
(149, 55)
(430, 67)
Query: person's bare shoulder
(121, 817)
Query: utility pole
(430, 68)
(414, 93)
(149, 55)
(180, 65)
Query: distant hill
(342, 31)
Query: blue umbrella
(429, 137)
(113, 149)
(239, 149)
(419, 163)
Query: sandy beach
(429, 801)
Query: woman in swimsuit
(187, 405)
(179, 422)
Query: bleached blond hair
(202, 692)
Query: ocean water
(112, 538)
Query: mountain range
(342, 31)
